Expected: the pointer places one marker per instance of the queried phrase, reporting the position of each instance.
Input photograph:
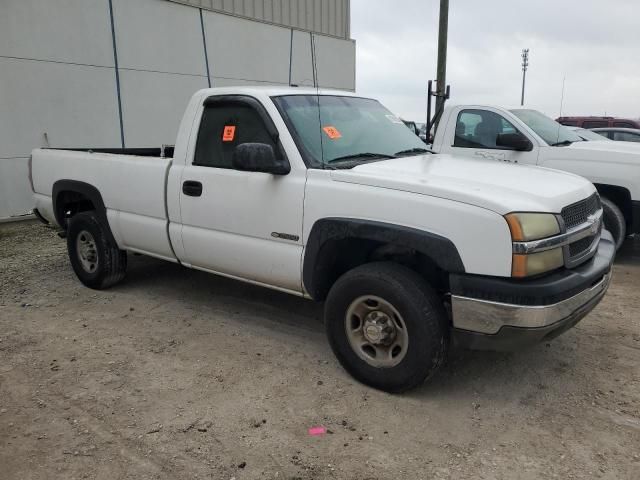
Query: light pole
(441, 75)
(442, 90)
(525, 65)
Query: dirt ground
(179, 374)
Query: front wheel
(386, 326)
(96, 261)
(614, 221)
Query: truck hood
(499, 187)
(619, 152)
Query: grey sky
(596, 44)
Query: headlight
(532, 226)
(526, 227)
(536, 263)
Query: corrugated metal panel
(328, 17)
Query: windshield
(551, 131)
(345, 131)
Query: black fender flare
(621, 197)
(86, 190)
(437, 248)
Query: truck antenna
(315, 82)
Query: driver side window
(223, 127)
(480, 129)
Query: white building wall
(57, 78)
(161, 63)
(335, 62)
(147, 120)
(329, 17)
(301, 59)
(76, 31)
(262, 55)
(58, 84)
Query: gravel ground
(179, 374)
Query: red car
(598, 122)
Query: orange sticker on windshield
(332, 132)
(229, 133)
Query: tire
(96, 261)
(414, 305)
(614, 221)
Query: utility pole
(441, 74)
(525, 65)
(442, 90)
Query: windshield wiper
(365, 155)
(410, 151)
(564, 143)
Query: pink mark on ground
(315, 431)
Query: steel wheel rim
(87, 251)
(376, 331)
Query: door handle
(192, 188)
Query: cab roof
(274, 91)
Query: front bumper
(508, 314)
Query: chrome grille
(577, 213)
(580, 247)
(573, 216)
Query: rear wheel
(386, 326)
(614, 221)
(96, 261)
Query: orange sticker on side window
(332, 132)
(229, 133)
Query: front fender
(440, 250)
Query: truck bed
(163, 152)
(131, 183)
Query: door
(477, 135)
(241, 223)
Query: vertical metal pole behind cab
(429, 93)
(440, 99)
(441, 73)
(442, 89)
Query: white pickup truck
(528, 137)
(329, 196)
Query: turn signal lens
(536, 263)
(532, 226)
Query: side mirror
(514, 141)
(258, 157)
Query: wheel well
(620, 196)
(337, 256)
(68, 203)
